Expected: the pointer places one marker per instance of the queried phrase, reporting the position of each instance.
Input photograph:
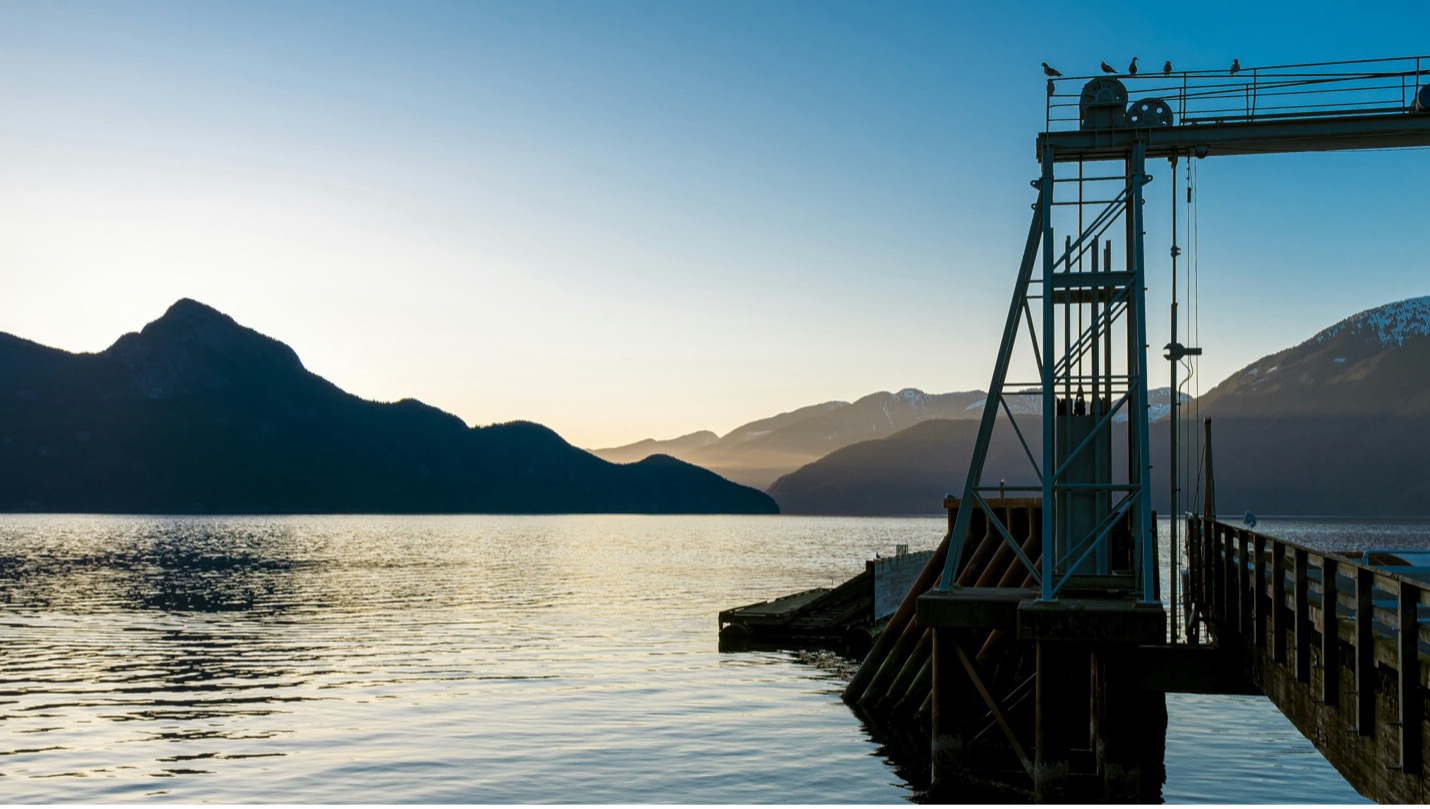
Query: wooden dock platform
(846, 616)
(1338, 642)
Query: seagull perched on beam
(1167, 68)
(1235, 66)
(1050, 71)
(1106, 68)
(1132, 68)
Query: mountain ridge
(195, 413)
(1336, 424)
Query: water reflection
(434, 659)
(355, 659)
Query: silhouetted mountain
(1338, 425)
(759, 452)
(196, 413)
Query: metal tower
(1075, 334)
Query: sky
(629, 219)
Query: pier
(1034, 654)
(1335, 642)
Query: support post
(1412, 704)
(1243, 619)
(1365, 653)
(1258, 599)
(1050, 475)
(1213, 577)
(1278, 604)
(1146, 536)
(1330, 633)
(1303, 616)
(1228, 584)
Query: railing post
(1243, 619)
(1258, 600)
(1303, 616)
(1209, 591)
(1330, 633)
(1411, 703)
(1229, 620)
(1278, 603)
(1365, 653)
(1195, 528)
(1219, 565)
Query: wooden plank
(1408, 679)
(1330, 634)
(1303, 618)
(1365, 654)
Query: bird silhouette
(1235, 66)
(1051, 88)
(1132, 68)
(1050, 71)
(1167, 68)
(1106, 68)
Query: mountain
(1374, 363)
(196, 413)
(757, 453)
(675, 447)
(1338, 425)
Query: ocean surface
(486, 659)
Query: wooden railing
(1301, 610)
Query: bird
(1050, 71)
(1106, 68)
(1051, 88)
(1167, 68)
(1235, 66)
(1132, 68)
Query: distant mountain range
(1338, 425)
(757, 453)
(196, 414)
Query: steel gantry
(1084, 349)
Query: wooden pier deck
(1338, 644)
(845, 615)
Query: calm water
(476, 660)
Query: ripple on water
(465, 659)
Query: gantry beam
(1327, 134)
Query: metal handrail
(1302, 90)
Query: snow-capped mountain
(1373, 362)
(1023, 403)
(1338, 425)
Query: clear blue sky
(632, 219)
